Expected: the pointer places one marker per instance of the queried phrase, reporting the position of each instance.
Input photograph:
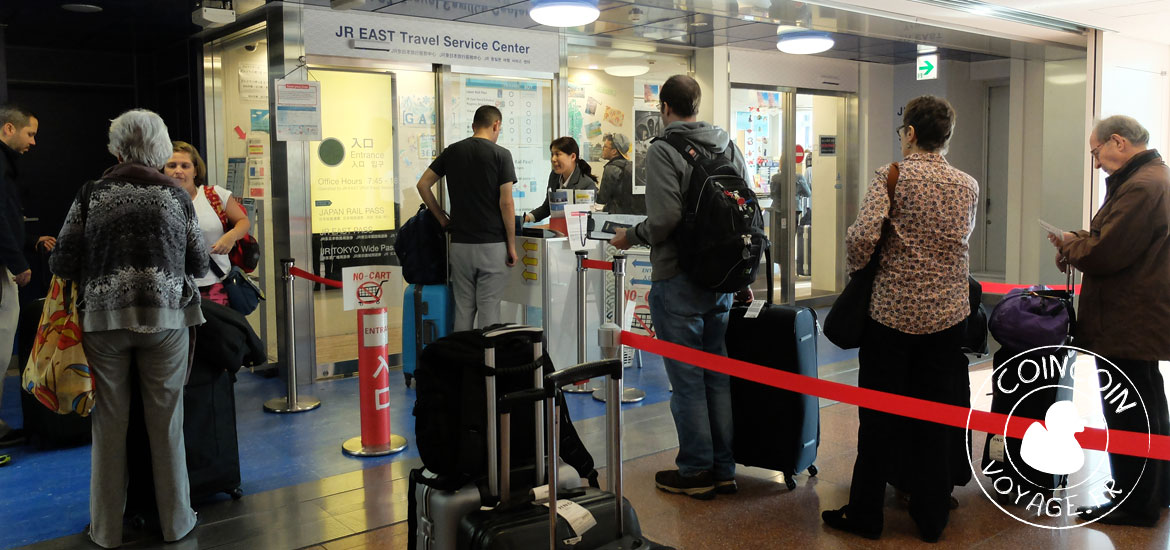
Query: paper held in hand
(1053, 230)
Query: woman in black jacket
(569, 172)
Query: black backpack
(450, 409)
(421, 247)
(721, 235)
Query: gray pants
(161, 359)
(479, 273)
(9, 316)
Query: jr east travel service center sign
(411, 39)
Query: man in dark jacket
(18, 132)
(1125, 305)
(617, 180)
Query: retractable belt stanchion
(628, 395)
(374, 385)
(582, 387)
(291, 403)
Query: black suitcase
(774, 429)
(519, 522)
(209, 439)
(1001, 456)
(44, 428)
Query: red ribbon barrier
(597, 264)
(1119, 442)
(298, 272)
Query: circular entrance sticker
(331, 152)
(1046, 474)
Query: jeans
(688, 315)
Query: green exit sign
(928, 67)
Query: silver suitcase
(438, 512)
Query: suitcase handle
(584, 371)
(510, 401)
(532, 334)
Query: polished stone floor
(335, 503)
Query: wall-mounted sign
(378, 36)
(298, 111)
(828, 146)
(927, 67)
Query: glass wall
(239, 146)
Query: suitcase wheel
(812, 470)
(236, 493)
(789, 481)
(408, 378)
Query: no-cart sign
(371, 286)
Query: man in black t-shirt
(479, 175)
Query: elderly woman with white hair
(132, 241)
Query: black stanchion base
(281, 405)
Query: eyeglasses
(898, 130)
(1097, 149)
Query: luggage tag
(579, 518)
(995, 449)
(754, 309)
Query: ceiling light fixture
(564, 13)
(924, 48)
(81, 8)
(627, 70)
(804, 42)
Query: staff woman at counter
(569, 172)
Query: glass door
(378, 130)
(798, 162)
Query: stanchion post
(582, 319)
(628, 395)
(374, 384)
(292, 403)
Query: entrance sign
(370, 287)
(410, 39)
(927, 67)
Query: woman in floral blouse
(911, 345)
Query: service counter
(543, 292)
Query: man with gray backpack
(706, 235)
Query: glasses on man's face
(1097, 149)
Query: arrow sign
(528, 261)
(322, 203)
(645, 282)
(530, 276)
(529, 245)
(641, 263)
(927, 65)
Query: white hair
(140, 136)
(1124, 126)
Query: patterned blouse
(921, 287)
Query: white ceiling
(1145, 19)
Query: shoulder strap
(217, 204)
(891, 182)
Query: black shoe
(1106, 514)
(12, 438)
(838, 520)
(726, 487)
(700, 486)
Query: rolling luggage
(44, 428)
(434, 509)
(519, 521)
(428, 313)
(774, 429)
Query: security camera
(636, 15)
(250, 47)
